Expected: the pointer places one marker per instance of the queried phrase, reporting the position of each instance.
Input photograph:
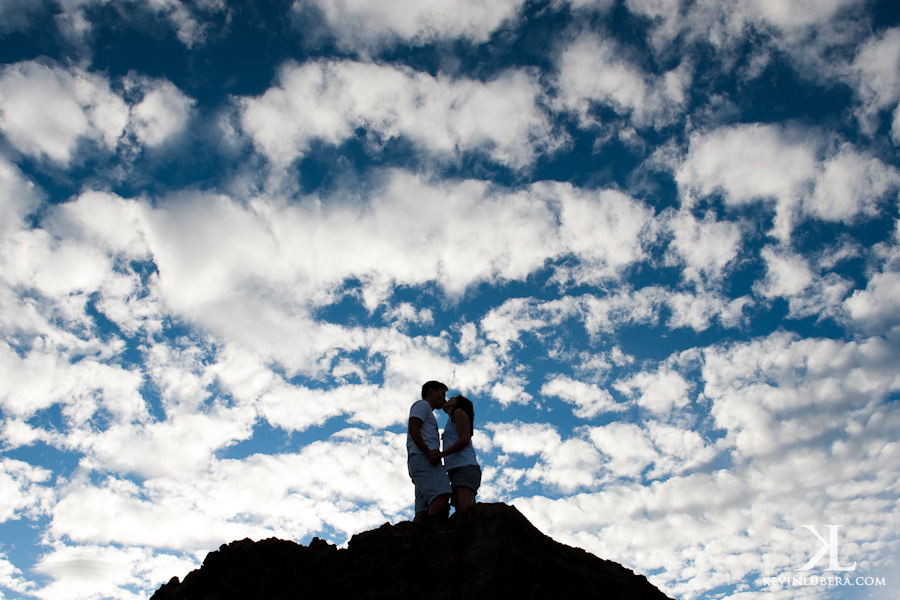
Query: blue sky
(656, 242)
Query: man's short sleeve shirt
(422, 410)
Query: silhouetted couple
(459, 474)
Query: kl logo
(830, 547)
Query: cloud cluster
(192, 20)
(46, 111)
(802, 419)
(874, 75)
(329, 101)
(593, 70)
(365, 26)
(771, 163)
(65, 114)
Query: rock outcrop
(488, 551)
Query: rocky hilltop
(487, 551)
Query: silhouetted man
(423, 453)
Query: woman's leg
(463, 497)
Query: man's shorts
(466, 476)
(430, 480)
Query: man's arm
(414, 428)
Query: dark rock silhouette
(487, 551)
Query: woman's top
(466, 456)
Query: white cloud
(53, 267)
(760, 507)
(162, 113)
(192, 20)
(38, 380)
(876, 308)
(510, 390)
(597, 5)
(628, 449)
(183, 444)
(874, 74)
(209, 247)
(680, 449)
(603, 314)
(787, 274)
(57, 113)
(22, 489)
(660, 392)
(297, 408)
(219, 261)
(573, 464)
(790, 276)
(653, 450)
(47, 111)
(60, 325)
(607, 230)
(524, 438)
(469, 342)
(103, 220)
(850, 184)
(589, 399)
(12, 578)
(706, 247)
(782, 392)
(19, 197)
(659, 528)
(506, 323)
(802, 30)
(594, 70)
(747, 163)
(405, 312)
(731, 17)
(712, 164)
(391, 357)
(328, 101)
(895, 126)
(120, 512)
(91, 571)
(787, 15)
(350, 482)
(362, 25)
(750, 163)
(697, 311)
(560, 464)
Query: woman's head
(464, 404)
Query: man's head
(434, 393)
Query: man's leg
(421, 506)
(440, 506)
(432, 483)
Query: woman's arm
(461, 420)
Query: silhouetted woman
(458, 452)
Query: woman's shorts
(465, 476)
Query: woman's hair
(465, 405)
